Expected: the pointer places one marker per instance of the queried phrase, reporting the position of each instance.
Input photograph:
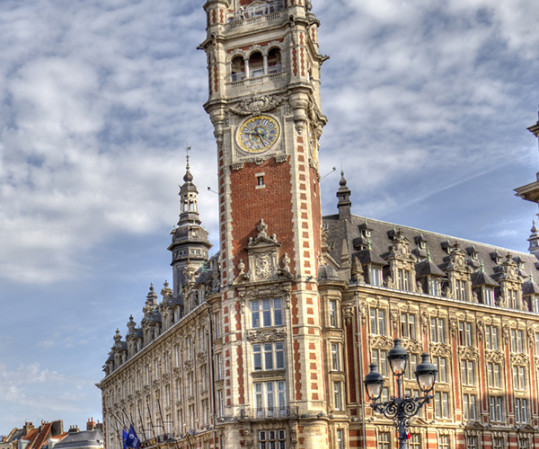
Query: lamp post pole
(402, 407)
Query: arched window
(274, 61)
(256, 65)
(238, 68)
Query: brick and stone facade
(266, 344)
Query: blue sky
(428, 104)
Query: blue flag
(124, 438)
(132, 441)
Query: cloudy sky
(428, 104)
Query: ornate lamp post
(402, 407)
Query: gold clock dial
(258, 134)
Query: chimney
(73, 429)
(27, 427)
(90, 425)
(57, 427)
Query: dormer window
(434, 287)
(403, 279)
(460, 287)
(376, 276)
(489, 298)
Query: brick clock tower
(264, 103)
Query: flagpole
(140, 419)
(150, 414)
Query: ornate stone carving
(453, 326)
(380, 342)
(266, 335)
(412, 346)
(256, 105)
(494, 356)
(520, 359)
(440, 349)
(188, 365)
(468, 352)
(202, 357)
(480, 329)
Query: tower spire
(534, 240)
(344, 204)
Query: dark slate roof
(93, 438)
(482, 278)
(530, 287)
(428, 267)
(326, 272)
(436, 244)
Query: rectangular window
(220, 403)
(465, 334)
(437, 330)
(379, 357)
(434, 287)
(217, 322)
(335, 357)
(489, 299)
(498, 443)
(491, 337)
(272, 439)
(413, 361)
(268, 356)
(471, 442)
(403, 279)
(517, 341)
(461, 289)
(523, 443)
(340, 439)
(408, 326)
(219, 366)
(266, 313)
(332, 313)
(441, 404)
(519, 378)
(415, 441)
(337, 395)
(513, 299)
(378, 321)
(444, 442)
(376, 276)
(521, 410)
(384, 440)
(469, 406)
(467, 372)
(535, 304)
(441, 364)
(537, 343)
(496, 408)
(494, 376)
(270, 398)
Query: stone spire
(190, 244)
(534, 240)
(344, 204)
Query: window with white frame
(434, 286)
(266, 313)
(444, 442)
(413, 361)
(492, 337)
(441, 404)
(403, 277)
(535, 304)
(384, 440)
(523, 443)
(513, 299)
(270, 398)
(378, 321)
(537, 343)
(460, 289)
(268, 356)
(441, 364)
(472, 442)
(271, 439)
(408, 325)
(496, 408)
(335, 357)
(337, 395)
(415, 441)
(519, 377)
(521, 410)
(220, 403)
(494, 374)
(219, 366)
(517, 341)
(375, 276)
(469, 404)
(437, 330)
(467, 372)
(379, 357)
(465, 334)
(489, 298)
(498, 443)
(340, 438)
(332, 313)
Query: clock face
(258, 134)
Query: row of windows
(256, 65)
(438, 331)
(444, 442)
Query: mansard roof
(439, 247)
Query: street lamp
(402, 407)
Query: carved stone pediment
(468, 352)
(520, 359)
(380, 342)
(266, 335)
(494, 356)
(440, 349)
(257, 104)
(412, 346)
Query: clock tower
(264, 104)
